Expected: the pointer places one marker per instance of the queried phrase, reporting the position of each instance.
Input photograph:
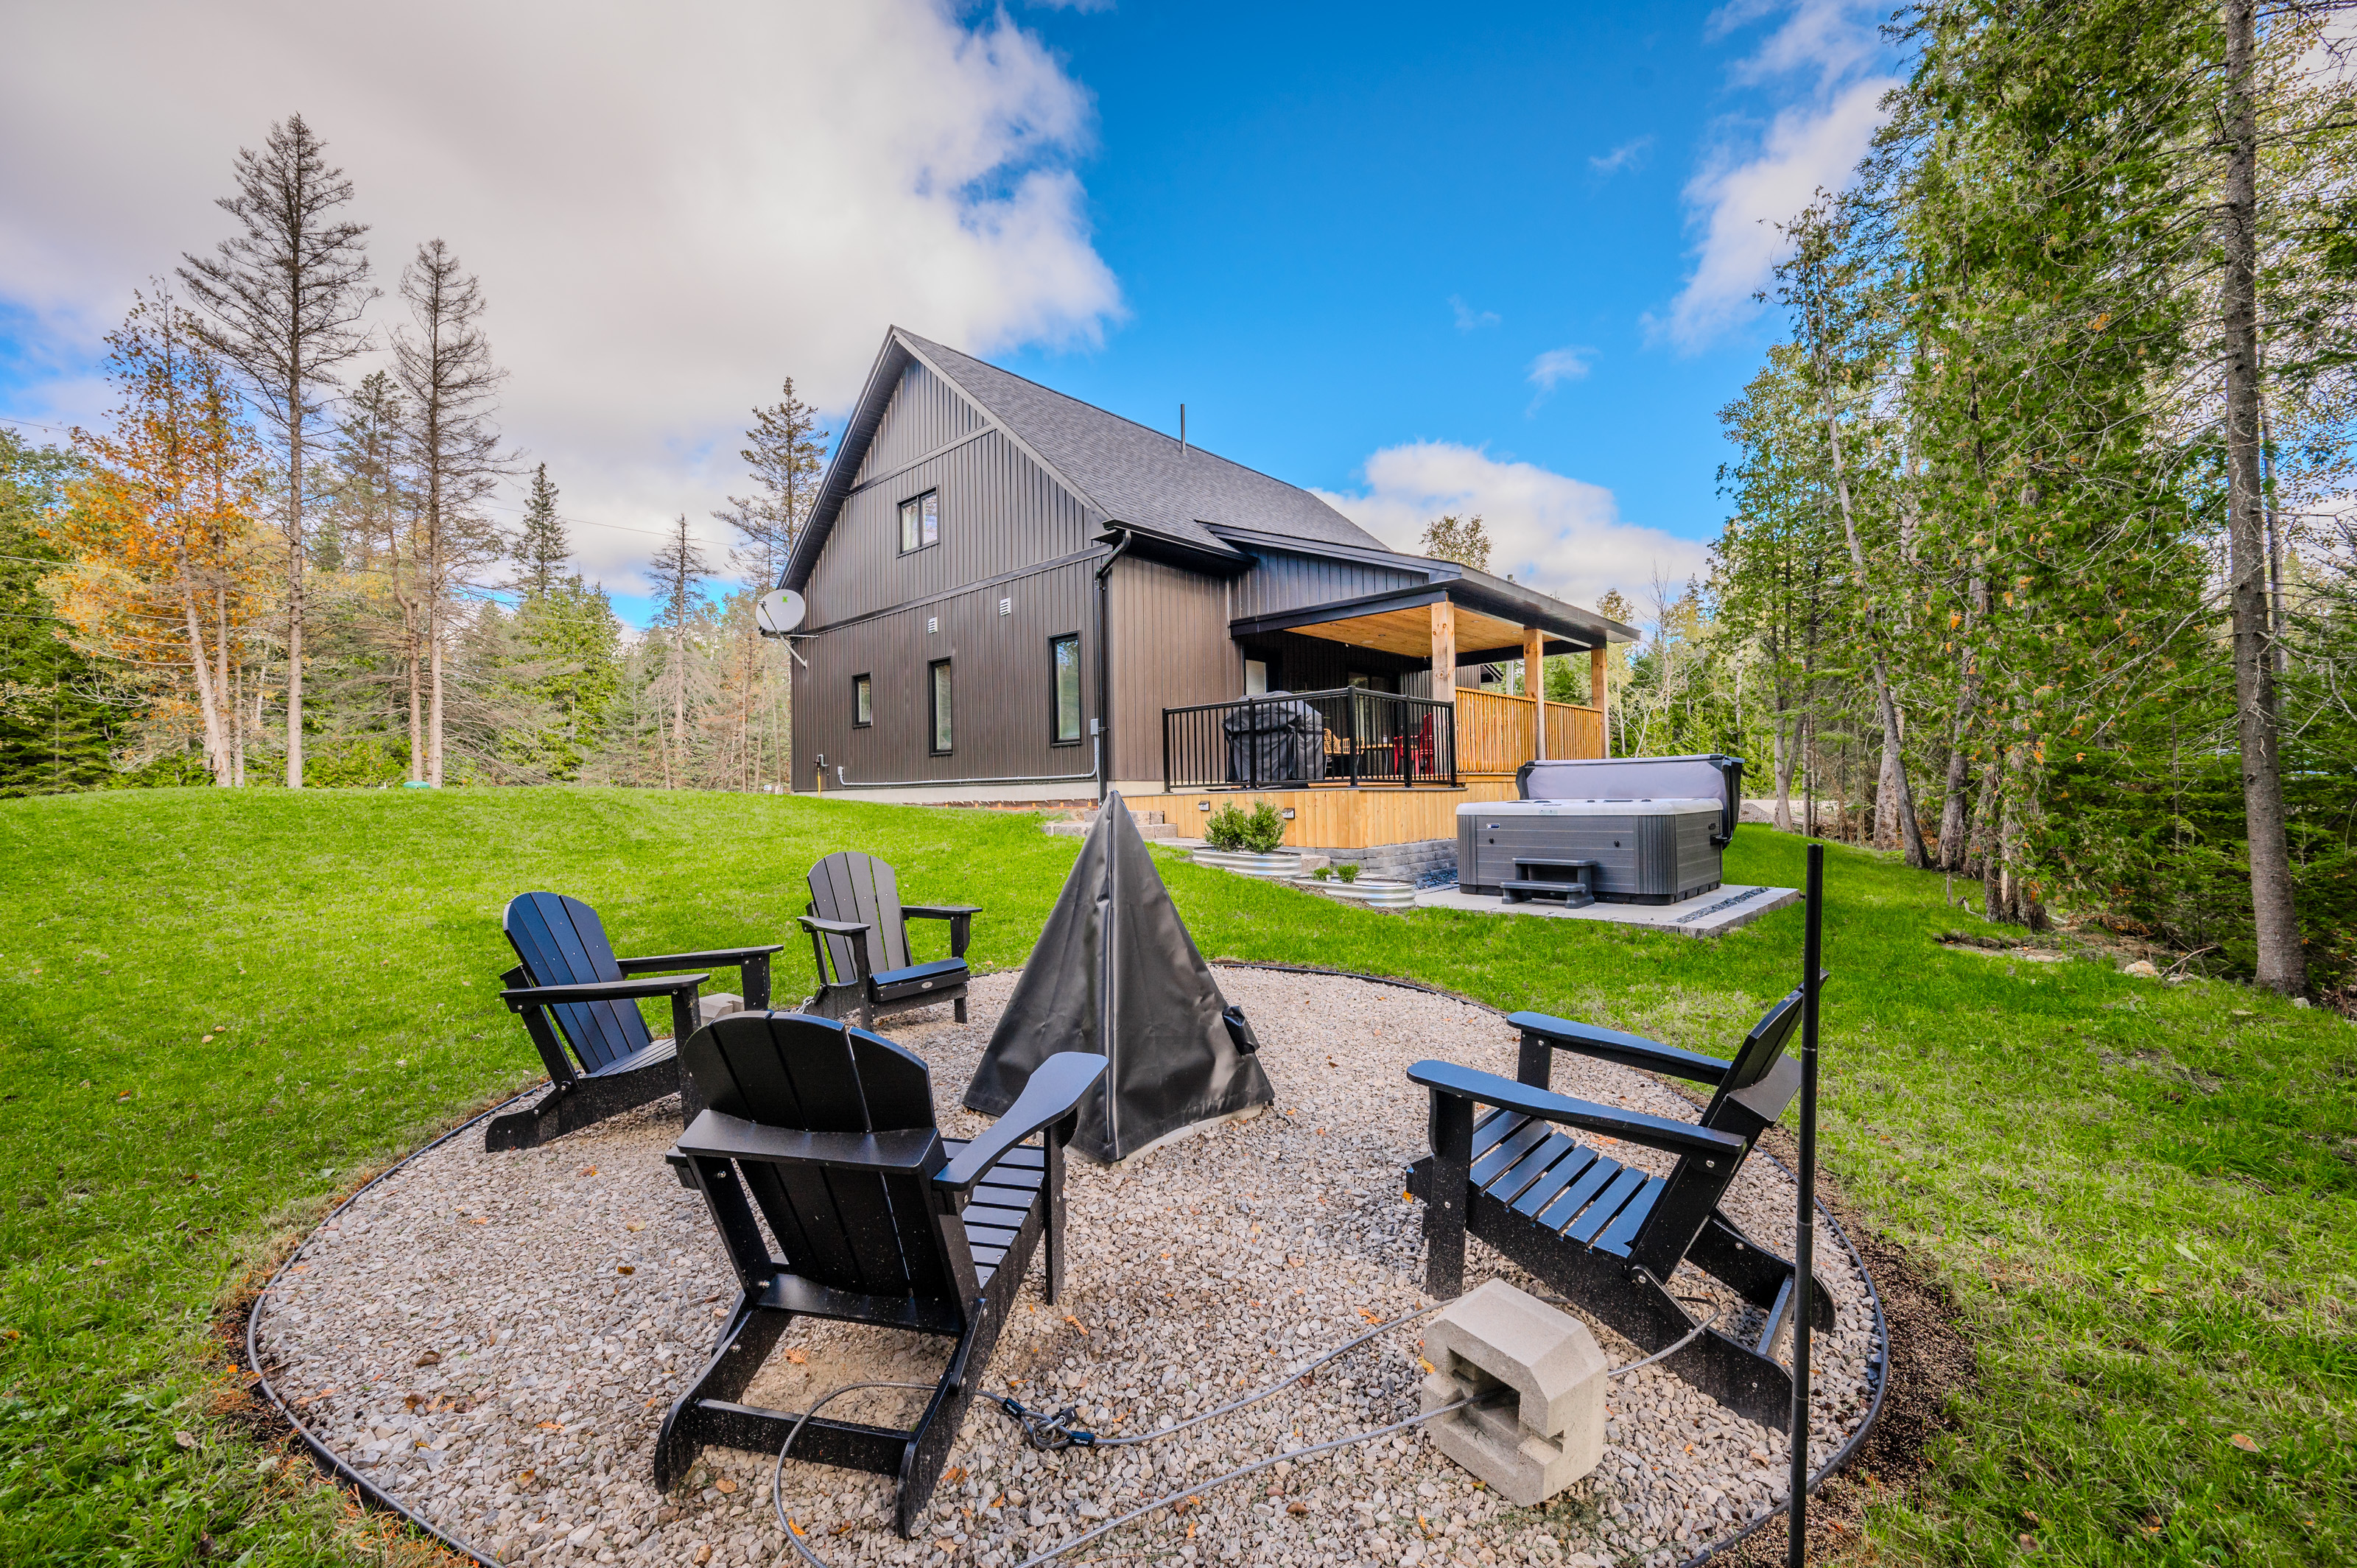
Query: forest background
(2037, 567)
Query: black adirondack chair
(572, 990)
(859, 942)
(829, 1132)
(1607, 1235)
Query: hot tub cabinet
(1622, 852)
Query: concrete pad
(1710, 913)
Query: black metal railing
(1292, 739)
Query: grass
(2139, 1196)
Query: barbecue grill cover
(1115, 973)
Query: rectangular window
(940, 685)
(920, 521)
(1255, 677)
(1064, 668)
(863, 701)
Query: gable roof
(1121, 472)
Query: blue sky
(1496, 261)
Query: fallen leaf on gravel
(431, 1359)
(702, 1555)
(186, 1440)
(1076, 1323)
(2243, 1441)
(723, 1484)
(524, 1479)
(548, 1426)
(1191, 1530)
(796, 1357)
(1298, 1510)
(1370, 1317)
(626, 1268)
(636, 1224)
(586, 1170)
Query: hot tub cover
(1115, 973)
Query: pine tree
(786, 450)
(444, 363)
(543, 549)
(678, 569)
(284, 296)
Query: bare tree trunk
(1788, 753)
(433, 709)
(416, 703)
(208, 697)
(1954, 852)
(2282, 966)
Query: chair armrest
(1654, 1131)
(719, 958)
(1612, 1046)
(959, 916)
(1053, 1093)
(713, 1135)
(524, 996)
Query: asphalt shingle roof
(1138, 475)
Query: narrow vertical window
(909, 522)
(932, 504)
(941, 707)
(1064, 671)
(863, 701)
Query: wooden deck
(1495, 732)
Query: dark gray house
(1007, 589)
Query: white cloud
(1569, 363)
(1561, 535)
(1628, 155)
(1470, 319)
(671, 210)
(1755, 179)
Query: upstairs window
(863, 701)
(920, 521)
(940, 685)
(1065, 672)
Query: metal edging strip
(326, 1458)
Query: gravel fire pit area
(493, 1340)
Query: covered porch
(1386, 759)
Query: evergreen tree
(60, 709)
(541, 549)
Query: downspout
(1104, 668)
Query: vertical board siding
(1169, 629)
(1278, 581)
(925, 413)
(1000, 512)
(1002, 712)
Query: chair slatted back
(1761, 1050)
(561, 942)
(848, 885)
(855, 1231)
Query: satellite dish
(779, 612)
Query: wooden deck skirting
(1337, 818)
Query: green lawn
(2139, 1196)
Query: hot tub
(1622, 852)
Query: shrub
(1323, 873)
(1225, 828)
(1349, 873)
(1258, 832)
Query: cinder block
(717, 1004)
(1534, 1446)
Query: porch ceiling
(1409, 631)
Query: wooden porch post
(1534, 687)
(1597, 696)
(1444, 652)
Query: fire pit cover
(1115, 973)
